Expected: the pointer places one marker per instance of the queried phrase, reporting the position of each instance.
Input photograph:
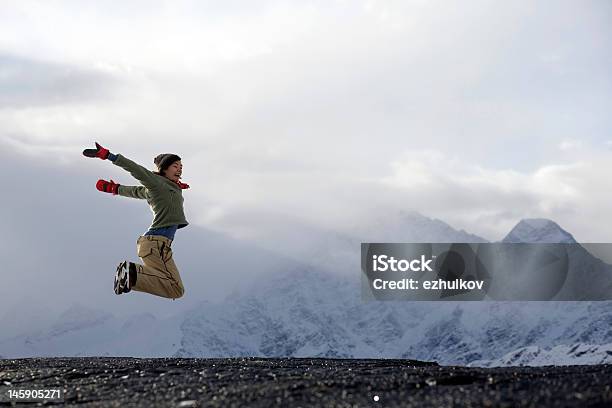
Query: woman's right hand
(107, 186)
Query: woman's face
(175, 171)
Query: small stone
(187, 403)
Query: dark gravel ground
(301, 382)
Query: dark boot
(125, 277)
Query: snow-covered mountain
(83, 331)
(539, 230)
(567, 272)
(309, 311)
(575, 354)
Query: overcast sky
(329, 114)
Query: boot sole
(121, 278)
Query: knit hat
(164, 160)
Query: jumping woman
(164, 192)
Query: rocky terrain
(301, 382)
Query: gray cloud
(26, 82)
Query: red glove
(107, 186)
(99, 152)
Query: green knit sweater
(164, 196)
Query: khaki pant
(159, 274)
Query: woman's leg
(159, 274)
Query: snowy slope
(575, 354)
(83, 331)
(308, 311)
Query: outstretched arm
(146, 177)
(118, 189)
(133, 191)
